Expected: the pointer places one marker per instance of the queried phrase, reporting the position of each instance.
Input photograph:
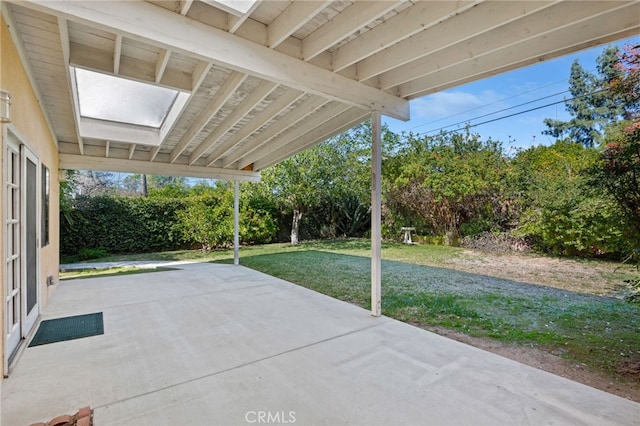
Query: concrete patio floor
(218, 344)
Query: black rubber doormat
(68, 328)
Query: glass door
(12, 309)
(30, 240)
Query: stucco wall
(29, 121)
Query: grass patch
(599, 332)
(108, 272)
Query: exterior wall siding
(28, 120)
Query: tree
(591, 105)
(562, 212)
(451, 182)
(618, 171)
(329, 182)
(144, 185)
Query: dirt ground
(566, 274)
(581, 276)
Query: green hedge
(117, 224)
(122, 225)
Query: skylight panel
(233, 6)
(109, 98)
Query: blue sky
(464, 103)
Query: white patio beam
(296, 133)
(351, 20)
(90, 58)
(63, 30)
(296, 15)
(338, 124)
(256, 96)
(222, 95)
(123, 165)
(283, 102)
(236, 224)
(470, 23)
(161, 64)
(117, 53)
(539, 24)
(376, 215)
(185, 5)
(235, 22)
(617, 24)
(410, 21)
(162, 28)
(197, 77)
(243, 154)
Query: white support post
(376, 215)
(236, 224)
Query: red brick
(84, 421)
(84, 412)
(61, 420)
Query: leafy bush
(562, 212)
(121, 225)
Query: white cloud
(445, 104)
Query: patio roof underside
(283, 76)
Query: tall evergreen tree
(591, 105)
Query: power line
(514, 114)
(488, 104)
(495, 102)
(500, 110)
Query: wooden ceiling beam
(243, 154)
(615, 25)
(63, 29)
(121, 164)
(229, 87)
(477, 20)
(351, 20)
(338, 124)
(542, 22)
(410, 21)
(274, 108)
(294, 17)
(254, 98)
(160, 27)
(318, 119)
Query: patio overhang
(204, 89)
(265, 82)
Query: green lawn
(419, 286)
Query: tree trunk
(295, 225)
(145, 192)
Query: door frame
(28, 320)
(13, 139)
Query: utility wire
(490, 103)
(511, 115)
(497, 101)
(500, 110)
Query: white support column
(376, 215)
(236, 224)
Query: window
(46, 191)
